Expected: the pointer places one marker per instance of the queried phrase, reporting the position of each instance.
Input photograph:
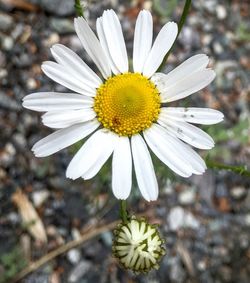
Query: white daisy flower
(125, 112)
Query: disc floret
(127, 103)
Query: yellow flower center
(127, 104)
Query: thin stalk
(242, 170)
(123, 211)
(79, 8)
(180, 25)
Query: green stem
(180, 25)
(123, 211)
(79, 8)
(242, 170)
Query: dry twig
(63, 249)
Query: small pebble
(40, 197)
(7, 43)
(31, 84)
(238, 192)
(187, 196)
(218, 48)
(180, 218)
(221, 12)
(74, 256)
(6, 22)
(81, 269)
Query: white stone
(40, 197)
(237, 192)
(180, 218)
(51, 40)
(76, 235)
(221, 12)
(7, 43)
(210, 5)
(247, 219)
(187, 196)
(201, 265)
(218, 49)
(190, 221)
(3, 73)
(206, 39)
(168, 188)
(31, 83)
(74, 256)
(176, 218)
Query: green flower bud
(138, 245)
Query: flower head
(138, 245)
(125, 112)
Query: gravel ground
(205, 220)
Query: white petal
(188, 85)
(92, 46)
(142, 40)
(144, 169)
(63, 138)
(167, 150)
(55, 101)
(122, 169)
(205, 116)
(192, 65)
(187, 132)
(72, 61)
(64, 76)
(92, 155)
(161, 46)
(58, 119)
(194, 159)
(104, 44)
(115, 40)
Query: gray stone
(57, 7)
(168, 188)
(62, 26)
(14, 217)
(210, 5)
(189, 38)
(79, 271)
(19, 140)
(8, 103)
(18, 31)
(177, 273)
(107, 238)
(221, 68)
(2, 59)
(22, 61)
(7, 155)
(6, 22)
(247, 219)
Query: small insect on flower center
(127, 104)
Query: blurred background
(204, 219)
